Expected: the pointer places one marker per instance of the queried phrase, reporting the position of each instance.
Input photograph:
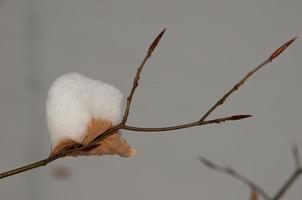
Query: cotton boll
(79, 109)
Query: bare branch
(248, 75)
(137, 76)
(288, 184)
(34, 165)
(229, 171)
(297, 173)
(197, 123)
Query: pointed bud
(155, 42)
(281, 49)
(238, 117)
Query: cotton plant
(79, 109)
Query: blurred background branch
(256, 189)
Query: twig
(183, 126)
(297, 173)
(229, 171)
(254, 187)
(122, 124)
(138, 73)
(274, 55)
(288, 184)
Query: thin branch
(188, 125)
(122, 124)
(229, 171)
(138, 73)
(51, 158)
(297, 173)
(26, 168)
(274, 55)
(288, 184)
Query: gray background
(208, 46)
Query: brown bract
(113, 144)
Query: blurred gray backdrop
(208, 46)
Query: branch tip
(239, 117)
(156, 41)
(282, 48)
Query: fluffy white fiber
(73, 100)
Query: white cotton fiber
(73, 100)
